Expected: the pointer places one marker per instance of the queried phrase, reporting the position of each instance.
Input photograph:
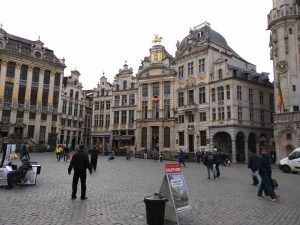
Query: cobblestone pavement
(117, 189)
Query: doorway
(191, 143)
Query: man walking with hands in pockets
(80, 162)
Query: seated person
(21, 171)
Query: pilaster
(2, 77)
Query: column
(172, 137)
(40, 88)
(161, 138)
(2, 78)
(161, 100)
(233, 151)
(51, 89)
(149, 138)
(13, 116)
(28, 86)
(246, 150)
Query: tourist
(198, 156)
(66, 153)
(27, 150)
(80, 162)
(111, 156)
(58, 152)
(252, 165)
(181, 158)
(21, 171)
(208, 161)
(217, 159)
(155, 155)
(94, 158)
(145, 153)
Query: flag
(279, 97)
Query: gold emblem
(282, 66)
(157, 39)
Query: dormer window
(199, 35)
(38, 54)
(117, 87)
(76, 95)
(132, 85)
(2, 45)
(124, 85)
(71, 94)
(220, 74)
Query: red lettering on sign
(173, 168)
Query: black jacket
(253, 161)
(264, 166)
(80, 162)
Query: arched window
(117, 87)
(199, 35)
(167, 137)
(76, 95)
(144, 137)
(124, 85)
(102, 91)
(71, 94)
(132, 85)
(220, 73)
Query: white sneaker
(274, 200)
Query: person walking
(181, 158)
(265, 172)
(58, 152)
(80, 163)
(216, 164)
(198, 156)
(155, 155)
(94, 158)
(252, 165)
(27, 150)
(66, 152)
(208, 161)
(145, 153)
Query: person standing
(181, 158)
(27, 150)
(155, 155)
(66, 153)
(198, 156)
(80, 162)
(94, 158)
(216, 162)
(145, 153)
(252, 165)
(265, 172)
(208, 161)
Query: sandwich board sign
(174, 188)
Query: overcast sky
(95, 36)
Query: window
(132, 85)
(101, 105)
(69, 123)
(221, 93)
(213, 95)
(45, 98)
(131, 117)
(167, 86)
(155, 87)
(107, 104)
(145, 90)
(202, 116)
(8, 92)
(55, 99)
(64, 109)
(124, 100)
(214, 116)
(191, 68)
(131, 99)
(201, 95)
(228, 112)
(81, 111)
(220, 74)
(180, 99)
(116, 117)
(289, 137)
(272, 117)
(239, 92)
(54, 118)
(107, 120)
(117, 87)
(117, 100)
(191, 118)
(32, 116)
(30, 133)
(24, 71)
(57, 80)
(101, 120)
(181, 138)
(71, 93)
(191, 97)
(221, 113)
(250, 95)
(35, 75)
(124, 85)
(203, 138)
(33, 96)
(181, 72)
(144, 110)
(21, 95)
(76, 95)
(20, 115)
(290, 31)
(44, 117)
(63, 121)
(295, 108)
(167, 137)
(96, 124)
(227, 92)
(262, 117)
(155, 110)
(10, 69)
(144, 137)
(271, 99)
(180, 119)
(123, 117)
(201, 65)
(76, 110)
(240, 114)
(47, 77)
(70, 108)
(167, 108)
(261, 97)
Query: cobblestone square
(117, 189)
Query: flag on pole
(279, 97)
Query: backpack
(210, 159)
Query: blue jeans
(266, 184)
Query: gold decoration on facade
(157, 39)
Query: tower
(284, 24)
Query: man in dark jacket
(94, 158)
(252, 165)
(208, 161)
(80, 162)
(265, 172)
(217, 159)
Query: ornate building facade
(284, 24)
(30, 81)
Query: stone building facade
(72, 111)
(284, 24)
(30, 81)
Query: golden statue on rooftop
(157, 39)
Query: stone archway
(222, 140)
(240, 147)
(288, 149)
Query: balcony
(289, 117)
(190, 107)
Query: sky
(97, 36)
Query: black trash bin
(155, 209)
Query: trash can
(155, 209)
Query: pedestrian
(111, 156)
(80, 162)
(66, 153)
(161, 157)
(22, 170)
(58, 152)
(128, 153)
(27, 150)
(145, 153)
(217, 160)
(198, 156)
(265, 172)
(208, 161)
(155, 155)
(252, 165)
(94, 158)
(22, 150)
(181, 158)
